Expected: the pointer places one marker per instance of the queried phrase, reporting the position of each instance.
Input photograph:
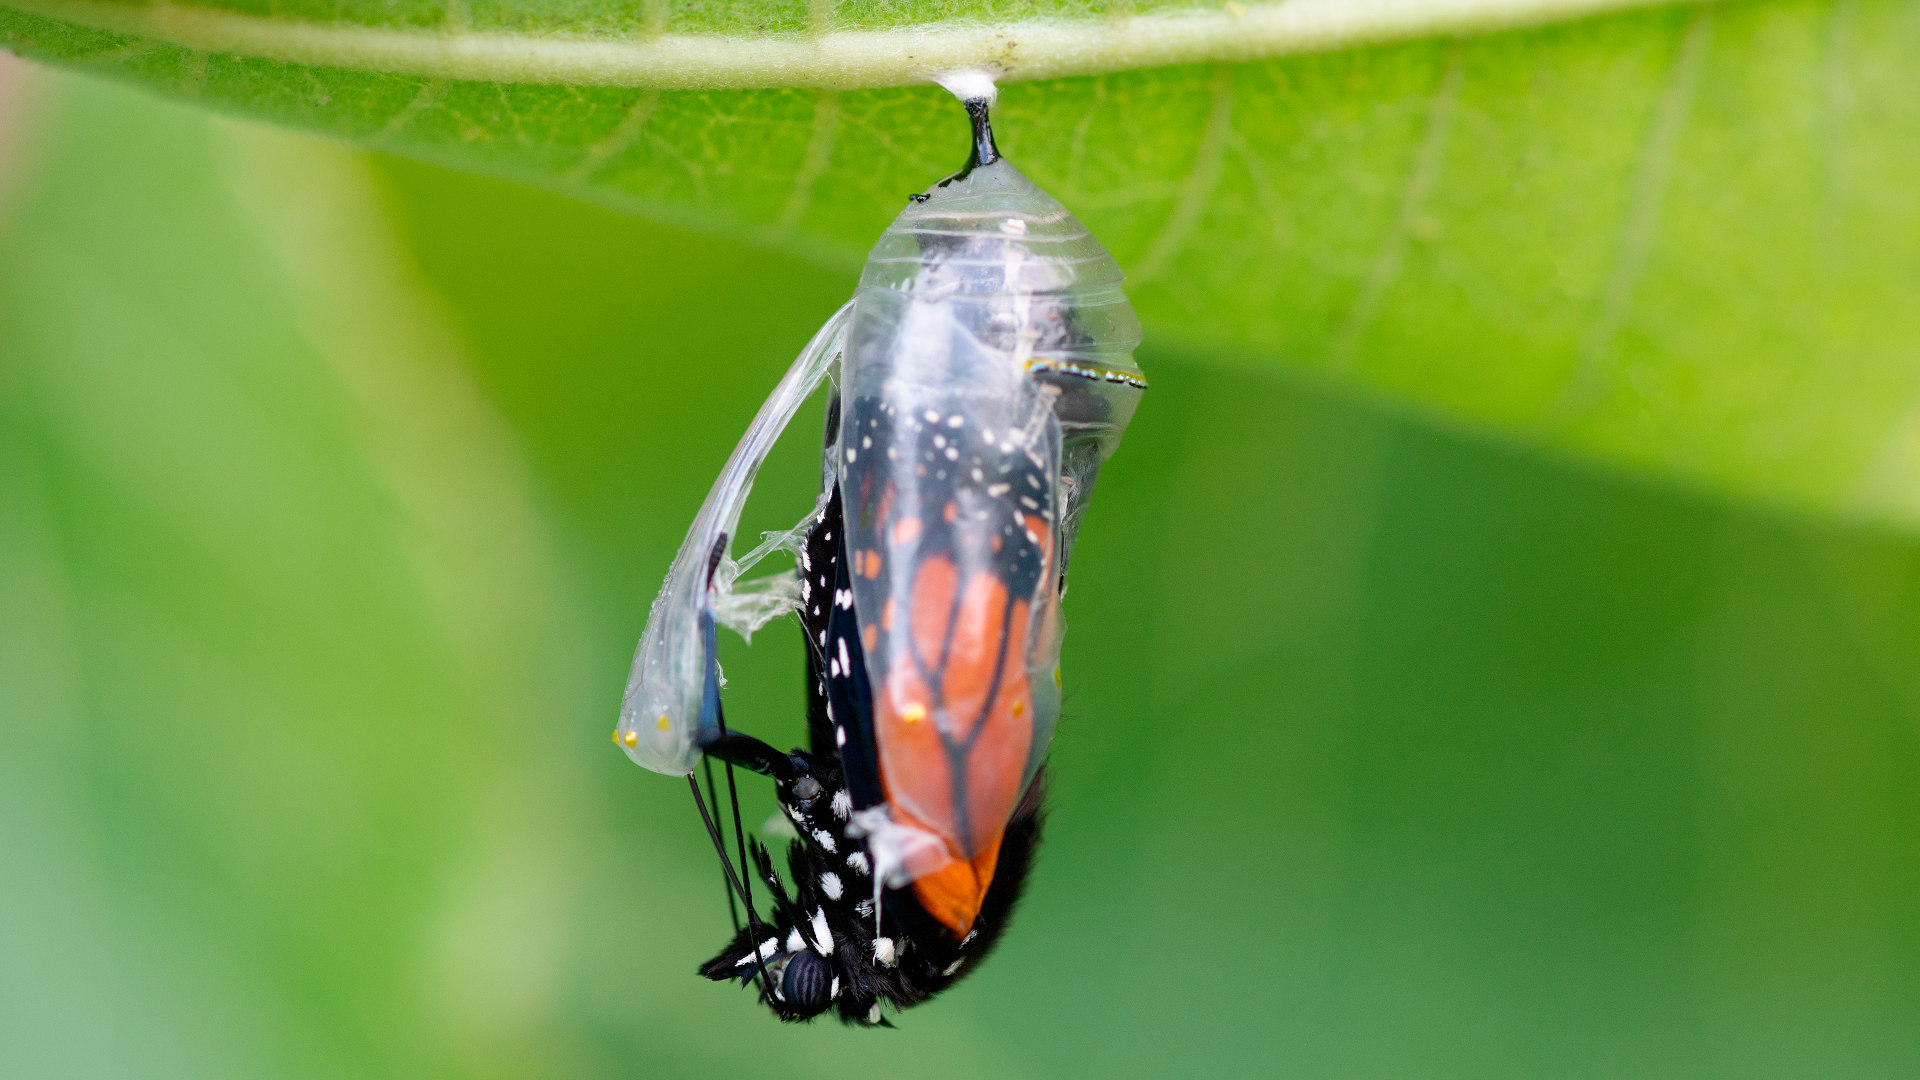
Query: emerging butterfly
(985, 372)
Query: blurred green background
(333, 490)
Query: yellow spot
(1056, 676)
(662, 722)
(616, 736)
(633, 738)
(1019, 708)
(914, 712)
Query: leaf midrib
(841, 59)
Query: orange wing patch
(954, 893)
(958, 776)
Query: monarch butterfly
(985, 372)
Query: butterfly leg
(753, 755)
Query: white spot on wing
(830, 884)
(822, 936)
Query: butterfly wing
(950, 564)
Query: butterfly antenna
(733, 906)
(733, 879)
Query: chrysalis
(983, 372)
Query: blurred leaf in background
(332, 493)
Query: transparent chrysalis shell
(671, 706)
(986, 370)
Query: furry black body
(820, 945)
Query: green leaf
(1679, 240)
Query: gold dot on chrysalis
(631, 738)
(662, 722)
(914, 712)
(1056, 676)
(1019, 708)
(616, 736)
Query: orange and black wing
(949, 550)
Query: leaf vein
(1423, 175)
(1036, 48)
(1199, 183)
(624, 135)
(819, 155)
(428, 96)
(1588, 381)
